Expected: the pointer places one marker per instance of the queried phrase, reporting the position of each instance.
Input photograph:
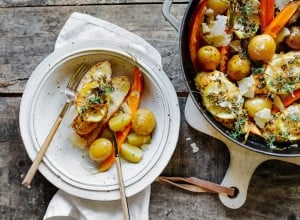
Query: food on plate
(105, 101)
(247, 66)
(143, 121)
(138, 139)
(120, 121)
(100, 149)
(131, 153)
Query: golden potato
(118, 122)
(131, 153)
(257, 104)
(138, 140)
(219, 6)
(238, 68)
(100, 149)
(143, 121)
(261, 48)
(209, 57)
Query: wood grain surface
(28, 30)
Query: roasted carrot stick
(133, 101)
(266, 14)
(291, 98)
(281, 19)
(135, 91)
(224, 52)
(195, 31)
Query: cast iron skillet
(253, 143)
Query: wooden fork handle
(122, 190)
(34, 166)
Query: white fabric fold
(71, 207)
(81, 27)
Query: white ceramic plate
(69, 168)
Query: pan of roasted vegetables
(241, 63)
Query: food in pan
(109, 103)
(246, 55)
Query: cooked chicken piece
(82, 127)
(202, 79)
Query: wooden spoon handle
(196, 185)
(34, 166)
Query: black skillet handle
(166, 10)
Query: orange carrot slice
(135, 93)
(281, 19)
(224, 52)
(266, 14)
(291, 98)
(195, 31)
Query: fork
(126, 215)
(70, 95)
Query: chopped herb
(84, 108)
(285, 134)
(95, 100)
(257, 70)
(288, 87)
(270, 140)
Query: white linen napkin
(63, 205)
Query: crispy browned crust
(82, 127)
(91, 137)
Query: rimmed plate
(69, 168)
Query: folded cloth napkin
(81, 27)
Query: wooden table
(28, 30)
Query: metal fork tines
(70, 94)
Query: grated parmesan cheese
(247, 86)
(262, 117)
(293, 109)
(216, 34)
(280, 4)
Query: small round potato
(100, 149)
(293, 40)
(261, 48)
(143, 121)
(209, 57)
(238, 68)
(138, 140)
(219, 6)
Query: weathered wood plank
(28, 36)
(16, 202)
(273, 192)
(20, 3)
